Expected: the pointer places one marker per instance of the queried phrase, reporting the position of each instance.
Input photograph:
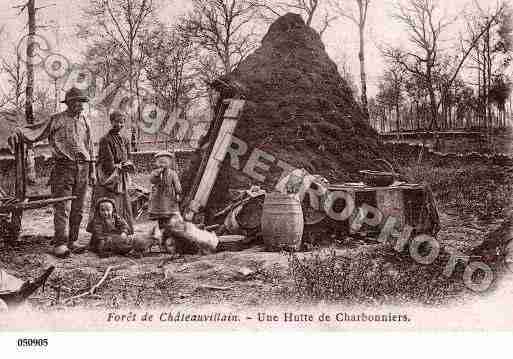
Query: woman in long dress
(113, 167)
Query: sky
(341, 39)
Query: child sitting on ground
(109, 231)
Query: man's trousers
(69, 178)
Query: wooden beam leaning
(216, 156)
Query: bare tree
(105, 59)
(16, 77)
(169, 68)
(344, 68)
(43, 101)
(123, 21)
(207, 70)
(490, 31)
(359, 18)
(390, 93)
(425, 27)
(30, 6)
(222, 28)
(308, 7)
(316, 13)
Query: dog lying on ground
(144, 244)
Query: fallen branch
(96, 286)
(214, 287)
(212, 227)
(165, 261)
(184, 267)
(60, 287)
(132, 261)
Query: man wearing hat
(69, 135)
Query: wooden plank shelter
(410, 204)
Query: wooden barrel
(282, 222)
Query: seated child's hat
(105, 199)
(164, 153)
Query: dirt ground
(248, 277)
(251, 276)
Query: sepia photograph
(255, 164)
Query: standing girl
(166, 191)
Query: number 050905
(32, 342)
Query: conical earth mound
(300, 110)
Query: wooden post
(20, 186)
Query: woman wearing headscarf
(113, 168)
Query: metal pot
(377, 178)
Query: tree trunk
(489, 84)
(309, 17)
(363, 76)
(417, 114)
(138, 95)
(131, 89)
(29, 93)
(397, 118)
(433, 107)
(488, 80)
(484, 101)
(431, 92)
(476, 114)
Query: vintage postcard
(222, 165)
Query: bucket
(231, 224)
(246, 216)
(282, 222)
(250, 214)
